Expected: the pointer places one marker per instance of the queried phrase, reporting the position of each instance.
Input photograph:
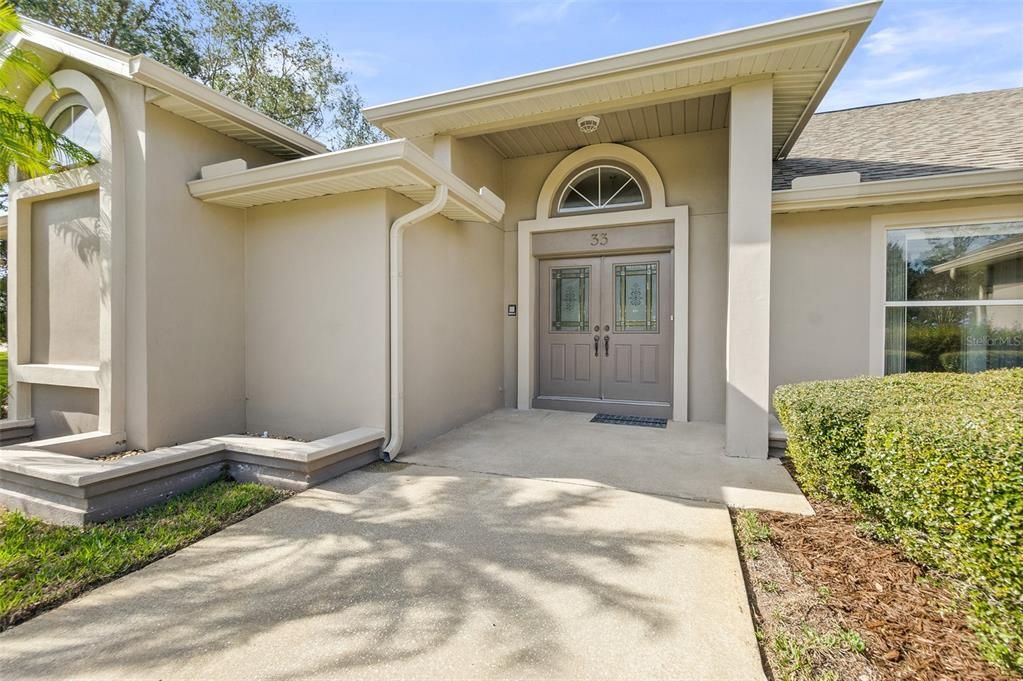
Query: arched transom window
(601, 187)
(72, 118)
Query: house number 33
(598, 239)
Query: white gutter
(397, 336)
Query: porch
(684, 460)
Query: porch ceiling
(802, 56)
(698, 114)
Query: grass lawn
(44, 565)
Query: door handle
(596, 346)
(607, 346)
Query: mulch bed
(912, 627)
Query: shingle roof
(957, 133)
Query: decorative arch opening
(588, 181)
(602, 186)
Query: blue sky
(915, 48)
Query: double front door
(605, 331)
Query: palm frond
(9, 21)
(20, 64)
(28, 143)
(25, 140)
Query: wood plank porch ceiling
(698, 114)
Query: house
(668, 233)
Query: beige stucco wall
(454, 305)
(65, 280)
(60, 410)
(820, 289)
(694, 169)
(477, 163)
(315, 331)
(195, 287)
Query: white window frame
(559, 209)
(62, 105)
(946, 217)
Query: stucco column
(747, 365)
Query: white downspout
(397, 333)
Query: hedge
(987, 359)
(936, 461)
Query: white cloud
(930, 54)
(934, 31)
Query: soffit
(802, 55)
(396, 165)
(698, 114)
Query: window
(570, 299)
(78, 123)
(954, 298)
(636, 298)
(601, 187)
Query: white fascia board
(109, 59)
(968, 185)
(719, 43)
(298, 170)
(399, 154)
(165, 79)
(153, 74)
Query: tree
(26, 142)
(136, 26)
(250, 50)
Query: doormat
(646, 421)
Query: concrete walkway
(429, 570)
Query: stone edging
(71, 490)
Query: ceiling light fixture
(588, 124)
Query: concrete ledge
(70, 490)
(80, 444)
(14, 431)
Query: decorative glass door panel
(570, 299)
(635, 307)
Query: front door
(605, 335)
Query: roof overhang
(398, 165)
(802, 55)
(171, 90)
(945, 187)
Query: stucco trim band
(968, 185)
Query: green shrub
(825, 422)
(949, 485)
(936, 461)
